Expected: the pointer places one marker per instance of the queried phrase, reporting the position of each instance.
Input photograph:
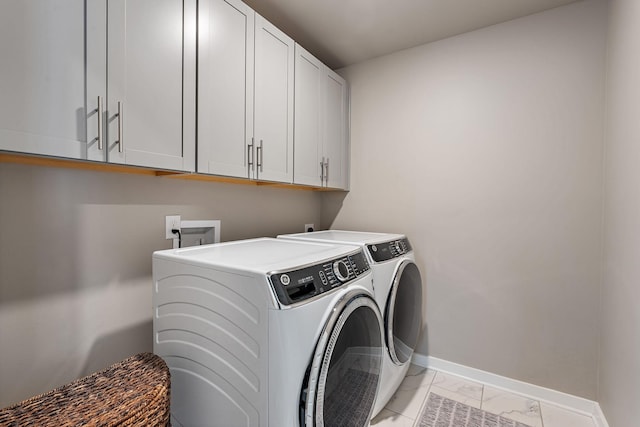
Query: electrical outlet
(309, 228)
(171, 222)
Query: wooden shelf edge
(28, 159)
(211, 178)
(244, 181)
(35, 160)
(291, 186)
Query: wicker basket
(134, 392)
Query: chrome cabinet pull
(322, 171)
(250, 155)
(259, 154)
(99, 112)
(120, 141)
(326, 172)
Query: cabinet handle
(326, 172)
(99, 112)
(250, 155)
(259, 153)
(120, 113)
(322, 171)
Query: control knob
(341, 270)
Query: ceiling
(345, 32)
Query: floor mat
(442, 412)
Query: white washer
(268, 332)
(398, 291)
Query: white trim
(567, 401)
(598, 417)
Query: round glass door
(404, 313)
(345, 373)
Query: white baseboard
(599, 418)
(568, 401)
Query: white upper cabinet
(321, 147)
(273, 102)
(245, 94)
(42, 77)
(150, 101)
(55, 72)
(308, 161)
(115, 81)
(335, 131)
(225, 88)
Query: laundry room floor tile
(456, 386)
(412, 392)
(387, 418)
(406, 404)
(512, 406)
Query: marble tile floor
(406, 404)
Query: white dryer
(398, 290)
(268, 332)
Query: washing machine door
(344, 377)
(403, 314)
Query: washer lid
(345, 237)
(262, 255)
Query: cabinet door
(335, 141)
(225, 87)
(273, 102)
(308, 118)
(42, 83)
(151, 65)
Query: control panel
(388, 250)
(304, 283)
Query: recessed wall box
(199, 232)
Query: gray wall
(75, 261)
(486, 150)
(619, 376)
